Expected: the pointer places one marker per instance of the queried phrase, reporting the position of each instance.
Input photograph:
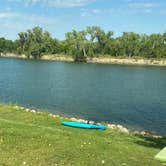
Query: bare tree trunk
(84, 52)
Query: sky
(61, 16)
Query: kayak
(84, 125)
(161, 156)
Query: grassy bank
(35, 139)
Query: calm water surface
(134, 96)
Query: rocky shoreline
(100, 60)
(116, 127)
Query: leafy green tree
(6, 46)
(23, 39)
(129, 44)
(99, 42)
(34, 42)
(76, 43)
(91, 36)
(152, 46)
(2, 45)
(164, 45)
(106, 43)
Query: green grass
(33, 139)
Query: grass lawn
(36, 139)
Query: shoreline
(114, 127)
(98, 60)
(128, 61)
(43, 140)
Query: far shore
(100, 59)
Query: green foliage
(6, 46)
(129, 44)
(34, 42)
(76, 45)
(87, 43)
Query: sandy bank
(128, 61)
(58, 58)
(109, 60)
(100, 60)
(12, 55)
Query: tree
(2, 45)
(152, 46)
(129, 44)
(164, 45)
(6, 46)
(99, 42)
(76, 43)
(106, 42)
(91, 36)
(23, 39)
(34, 42)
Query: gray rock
(81, 121)
(27, 110)
(33, 111)
(73, 119)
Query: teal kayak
(84, 125)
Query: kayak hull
(84, 125)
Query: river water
(134, 96)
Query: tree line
(91, 42)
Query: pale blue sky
(61, 16)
